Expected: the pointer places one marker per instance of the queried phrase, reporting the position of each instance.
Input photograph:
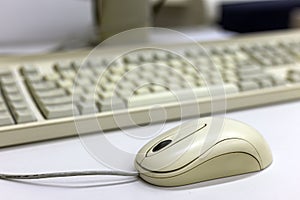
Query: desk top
(279, 124)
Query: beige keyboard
(43, 97)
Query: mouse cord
(67, 174)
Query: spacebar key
(180, 95)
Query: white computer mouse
(201, 150)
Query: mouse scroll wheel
(161, 145)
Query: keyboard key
(88, 98)
(7, 80)
(265, 83)
(68, 74)
(11, 89)
(51, 77)
(124, 92)
(108, 87)
(14, 97)
(44, 85)
(23, 115)
(5, 119)
(132, 57)
(58, 111)
(249, 70)
(87, 108)
(106, 94)
(294, 76)
(83, 82)
(28, 69)
(157, 88)
(16, 105)
(248, 85)
(5, 72)
(65, 83)
(2, 107)
(50, 93)
(31, 78)
(61, 66)
(278, 81)
(118, 70)
(110, 104)
(142, 90)
(57, 100)
(161, 55)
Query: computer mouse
(197, 151)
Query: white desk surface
(279, 124)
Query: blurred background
(59, 24)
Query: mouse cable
(67, 174)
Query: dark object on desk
(257, 16)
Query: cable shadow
(82, 184)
